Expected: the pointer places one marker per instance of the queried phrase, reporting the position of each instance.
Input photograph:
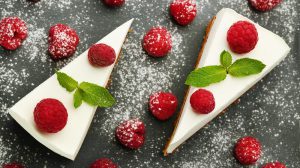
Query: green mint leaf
(77, 98)
(96, 95)
(226, 59)
(245, 67)
(205, 76)
(66, 81)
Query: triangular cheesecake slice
(68, 141)
(270, 49)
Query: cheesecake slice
(68, 141)
(270, 49)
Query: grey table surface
(270, 111)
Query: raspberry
(50, 115)
(274, 165)
(114, 3)
(264, 5)
(247, 150)
(242, 37)
(103, 163)
(202, 101)
(131, 133)
(101, 55)
(13, 31)
(13, 165)
(157, 42)
(163, 105)
(183, 11)
(63, 41)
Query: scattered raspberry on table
(264, 5)
(50, 115)
(274, 165)
(13, 31)
(157, 42)
(103, 163)
(202, 101)
(63, 41)
(163, 105)
(242, 37)
(101, 55)
(13, 165)
(131, 133)
(183, 11)
(247, 150)
(114, 3)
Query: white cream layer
(68, 141)
(270, 49)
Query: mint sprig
(207, 75)
(225, 59)
(245, 67)
(66, 81)
(77, 98)
(90, 93)
(96, 95)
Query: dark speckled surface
(270, 111)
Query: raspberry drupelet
(274, 165)
(202, 101)
(247, 150)
(264, 5)
(162, 105)
(114, 3)
(63, 41)
(183, 11)
(131, 133)
(101, 55)
(50, 115)
(13, 31)
(103, 163)
(157, 42)
(242, 37)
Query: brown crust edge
(109, 82)
(208, 29)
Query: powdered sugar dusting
(141, 75)
(8, 82)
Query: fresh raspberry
(183, 11)
(13, 31)
(247, 150)
(157, 42)
(114, 3)
(163, 105)
(242, 37)
(101, 55)
(274, 165)
(131, 133)
(264, 5)
(103, 163)
(202, 101)
(50, 115)
(63, 41)
(13, 165)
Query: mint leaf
(66, 81)
(225, 59)
(96, 95)
(245, 67)
(205, 76)
(77, 98)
